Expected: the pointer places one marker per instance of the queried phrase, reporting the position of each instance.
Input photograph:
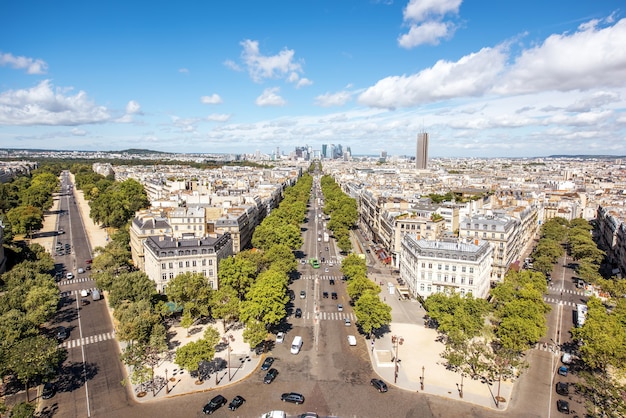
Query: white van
(296, 345)
(566, 358)
(95, 294)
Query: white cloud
(78, 132)
(216, 117)
(333, 99)
(303, 82)
(472, 75)
(270, 97)
(425, 21)
(426, 33)
(212, 99)
(232, 65)
(133, 108)
(32, 66)
(43, 105)
(183, 70)
(588, 58)
(268, 66)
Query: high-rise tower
(421, 156)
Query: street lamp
(167, 387)
(422, 379)
(396, 341)
(227, 341)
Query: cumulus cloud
(303, 82)
(472, 75)
(333, 99)
(216, 117)
(262, 66)
(425, 19)
(589, 58)
(270, 97)
(32, 66)
(183, 70)
(44, 105)
(133, 108)
(232, 65)
(212, 99)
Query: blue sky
(485, 78)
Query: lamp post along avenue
(396, 341)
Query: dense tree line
(342, 210)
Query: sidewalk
(419, 355)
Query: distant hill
(587, 157)
(141, 151)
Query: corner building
(429, 266)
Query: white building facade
(430, 267)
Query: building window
(163, 266)
(186, 263)
(462, 279)
(493, 235)
(211, 284)
(462, 269)
(447, 267)
(421, 287)
(501, 236)
(423, 265)
(471, 269)
(484, 235)
(204, 273)
(471, 281)
(438, 289)
(429, 288)
(210, 262)
(430, 276)
(171, 265)
(454, 268)
(423, 275)
(171, 275)
(430, 265)
(193, 263)
(438, 277)
(210, 272)
(164, 276)
(453, 279)
(438, 266)
(180, 264)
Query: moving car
(280, 337)
(214, 404)
(270, 376)
(302, 294)
(340, 307)
(332, 281)
(351, 340)
(347, 322)
(298, 313)
(379, 385)
(236, 402)
(292, 397)
(267, 363)
(333, 295)
(62, 333)
(325, 295)
(562, 406)
(69, 275)
(563, 370)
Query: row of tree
(342, 210)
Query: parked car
(563, 370)
(347, 322)
(81, 270)
(379, 385)
(270, 376)
(562, 388)
(298, 313)
(280, 337)
(351, 340)
(325, 295)
(48, 390)
(332, 281)
(292, 397)
(302, 294)
(267, 363)
(340, 307)
(214, 404)
(236, 402)
(69, 275)
(562, 406)
(333, 295)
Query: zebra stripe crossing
(555, 290)
(556, 301)
(76, 292)
(77, 280)
(310, 277)
(87, 340)
(329, 316)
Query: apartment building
(503, 232)
(167, 257)
(146, 223)
(433, 266)
(188, 222)
(611, 233)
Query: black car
(562, 388)
(334, 295)
(270, 376)
(332, 281)
(48, 390)
(298, 313)
(292, 397)
(236, 402)
(267, 363)
(325, 295)
(214, 404)
(562, 406)
(62, 333)
(379, 385)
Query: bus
(581, 314)
(314, 263)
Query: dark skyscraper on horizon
(421, 156)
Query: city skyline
(483, 79)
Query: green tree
(281, 258)
(193, 291)
(133, 286)
(225, 305)
(254, 333)
(266, 299)
(357, 286)
(191, 354)
(352, 266)
(372, 313)
(238, 273)
(25, 219)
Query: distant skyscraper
(421, 156)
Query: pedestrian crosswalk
(87, 340)
(77, 280)
(557, 290)
(329, 316)
(313, 277)
(77, 292)
(557, 301)
(546, 347)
